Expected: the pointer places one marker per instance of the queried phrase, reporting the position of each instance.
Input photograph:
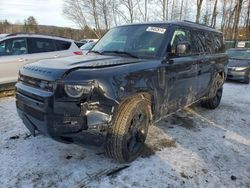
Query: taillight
(78, 53)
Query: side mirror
(182, 48)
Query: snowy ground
(193, 148)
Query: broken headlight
(76, 91)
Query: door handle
(56, 56)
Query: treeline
(30, 25)
(230, 16)
(95, 17)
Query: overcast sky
(46, 12)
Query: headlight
(76, 91)
(240, 68)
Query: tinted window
(209, 43)
(39, 45)
(16, 46)
(62, 45)
(199, 42)
(218, 43)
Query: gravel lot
(193, 148)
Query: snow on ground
(194, 148)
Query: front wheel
(212, 103)
(128, 133)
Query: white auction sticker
(156, 30)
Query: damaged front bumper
(64, 121)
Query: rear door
(204, 53)
(13, 55)
(41, 48)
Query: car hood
(238, 63)
(52, 69)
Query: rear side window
(209, 43)
(40, 45)
(62, 45)
(199, 42)
(219, 46)
(16, 46)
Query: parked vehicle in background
(239, 64)
(237, 44)
(3, 35)
(79, 43)
(17, 50)
(88, 40)
(86, 47)
(135, 75)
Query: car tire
(128, 133)
(214, 102)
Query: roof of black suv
(179, 23)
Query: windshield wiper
(96, 52)
(121, 52)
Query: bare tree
(91, 5)
(198, 10)
(143, 13)
(182, 6)
(73, 9)
(236, 19)
(130, 6)
(114, 12)
(104, 7)
(173, 10)
(164, 9)
(214, 15)
(224, 13)
(247, 22)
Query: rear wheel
(213, 102)
(126, 138)
(214, 97)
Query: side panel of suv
(18, 51)
(13, 55)
(134, 76)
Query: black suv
(133, 76)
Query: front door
(13, 55)
(180, 74)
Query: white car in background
(88, 40)
(17, 50)
(86, 47)
(3, 35)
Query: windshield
(88, 46)
(142, 41)
(239, 54)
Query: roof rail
(24, 33)
(198, 23)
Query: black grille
(30, 111)
(36, 83)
